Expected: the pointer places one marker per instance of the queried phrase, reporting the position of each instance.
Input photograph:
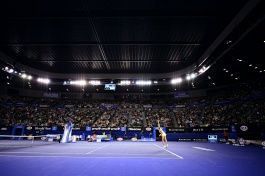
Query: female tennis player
(163, 135)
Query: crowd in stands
(163, 115)
(244, 105)
(136, 118)
(121, 118)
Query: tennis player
(163, 135)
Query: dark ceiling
(137, 39)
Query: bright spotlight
(42, 80)
(94, 82)
(23, 75)
(79, 82)
(125, 82)
(143, 82)
(175, 81)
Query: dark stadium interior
(211, 123)
(114, 40)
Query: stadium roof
(114, 40)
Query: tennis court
(129, 158)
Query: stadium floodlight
(10, 70)
(43, 80)
(23, 75)
(191, 76)
(188, 77)
(143, 82)
(204, 69)
(94, 82)
(78, 82)
(125, 82)
(29, 77)
(177, 80)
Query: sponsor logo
(148, 129)
(134, 129)
(176, 129)
(119, 139)
(3, 129)
(197, 129)
(101, 128)
(263, 143)
(219, 129)
(243, 128)
(184, 139)
(199, 139)
(117, 129)
(29, 128)
(134, 139)
(42, 128)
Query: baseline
(97, 149)
(170, 152)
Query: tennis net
(14, 141)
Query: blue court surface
(127, 158)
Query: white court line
(75, 153)
(97, 149)
(70, 147)
(200, 148)
(132, 154)
(46, 153)
(86, 157)
(169, 152)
